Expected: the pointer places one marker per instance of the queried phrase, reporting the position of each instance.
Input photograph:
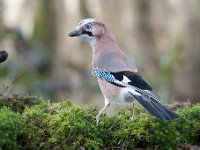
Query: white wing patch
(125, 79)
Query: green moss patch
(67, 126)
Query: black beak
(75, 33)
(3, 56)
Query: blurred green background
(161, 37)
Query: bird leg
(133, 111)
(107, 103)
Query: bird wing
(127, 79)
(146, 97)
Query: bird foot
(97, 119)
(132, 117)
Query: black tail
(155, 108)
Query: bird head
(89, 29)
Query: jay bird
(118, 77)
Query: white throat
(90, 39)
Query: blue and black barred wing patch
(104, 75)
(107, 76)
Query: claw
(97, 120)
(132, 117)
(107, 103)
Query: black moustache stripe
(87, 32)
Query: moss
(67, 126)
(12, 126)
(17, 103)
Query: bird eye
(87, 26)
